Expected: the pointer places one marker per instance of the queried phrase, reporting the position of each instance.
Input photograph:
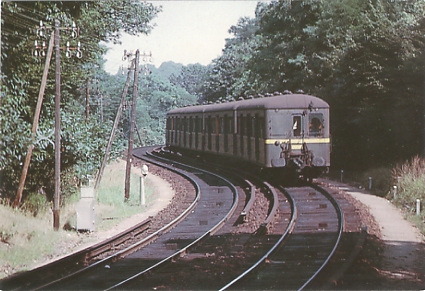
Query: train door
(175, 130)
(190, 132)
(241, 133)
(218, 124)
(179, 131)
(196, 132)
(259, 124)
(297, 125)
(203, 132)
(184, 128)
(209, 132)
(226, 132)
(249, 121)
(235, 133)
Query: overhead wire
(29, 19)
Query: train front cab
(298, 140)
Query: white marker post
(418, 207)
(145, 171)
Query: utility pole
(54, 41)
(132, 123)
(101, 107)
(56, 198)
(138, 134)
(114, 129)
(18, 197)
(87, 100)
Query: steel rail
(85, 255)
(140, 244)
(264, 258)
(291, 226)
(234, 190)
(183, 250)
(340, 231)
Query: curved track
(240, 232)
(215, 202)
(300, 221)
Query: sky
(186, 32)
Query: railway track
(300, 235)
(237, 233)
(214, 203)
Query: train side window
(260, 126)
(296, 125)
(248, 125)
(240, 124)
(230, 125)
(315, 124)
(253, 125)
(190, 124)
(221, 125)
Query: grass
(27, 240)
(111, 195)
(409, 178)
(410, 181)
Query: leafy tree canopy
(365, 57)
(83, 140)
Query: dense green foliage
(409, 178)
(83, 140)
(364, 57)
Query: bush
(410, 180)
(35, 204)
(381, 180)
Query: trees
(157, 96)
(82, 140)
(191, 78)
(363, 56)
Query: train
(284, 133)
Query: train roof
(281, 101)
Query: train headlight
(318, 161)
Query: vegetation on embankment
(27, 238)
(409, 180)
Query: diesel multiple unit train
(286, 133)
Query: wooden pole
(132, 123)
(18, 197)
(56, 197)
(87, 100)
(138, 134)
(114, 129)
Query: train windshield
(316, 124)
